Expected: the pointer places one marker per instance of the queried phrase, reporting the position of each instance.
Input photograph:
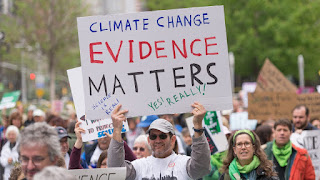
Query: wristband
(198, 130)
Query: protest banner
(156, 62)
(276, 105)
(99, 173)
(9, 99)
(309, 140)
(240, 121)
(213, 131)
(270, 79)
(94, 128)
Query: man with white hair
(141, 148)
(163, 163)
(39, 147)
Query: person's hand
(118, 117)
(78, 130)
(10, 160)
(198, 114)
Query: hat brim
(160, 129)
(62, 136)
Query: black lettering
(157, 78)
(118, 86)
(177, 77)
(134, 79)
(104, 175)
(193, 74)
(103, 80)
(210, 74)
(111, 174)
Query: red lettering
(191, 47)
(159, 49)
(92, 53)
(207, 45)
(140, 48)
(131, 53)
(115, 58)
(184, 49)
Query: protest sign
(9, 99)
(247, 87)
(312, 101)
(99, 173)
(156, 62)
(240, 121)
(270, 79)
(213, 131)
(271, 105)
(94, 128)
(309, 140)
(276, 105)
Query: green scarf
(282, 154)
(235, 168)
(217, 159)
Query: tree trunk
(51, 54)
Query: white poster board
(156, 62)
(240, 121)
(99, 173)
(94, 128)
(309, 140)
(247, 87)
(219, 139)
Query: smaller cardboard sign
(309, 140)
(270, 79)
(9, 99)
(213, 131)
(276, 105)
(240, 121)
(271, 105)
(99, 173)
(94, 128)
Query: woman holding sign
(245, 159)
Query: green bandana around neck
(217, 159)
(244, 131)
(282, 154)
(235, 168)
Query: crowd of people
(37, 144)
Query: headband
(244, 131)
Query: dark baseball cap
(62, 132)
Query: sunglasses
(140, 148)
(161, 136)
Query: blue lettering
(195, 20)
(204, 18)
(187, 20)
(158, 22)
(101, 29)
(170, 22)
(179, 21)
(91, 27)
(145, 24)
(118, 26)
(128, 24)
(135, 21)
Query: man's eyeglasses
(161, 136)
(246, 144)
(140, 148)
(36, 161)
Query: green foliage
(276, 29)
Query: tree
(279, 30)
(52, 25)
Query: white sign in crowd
(156, 62)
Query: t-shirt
(171, 167)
